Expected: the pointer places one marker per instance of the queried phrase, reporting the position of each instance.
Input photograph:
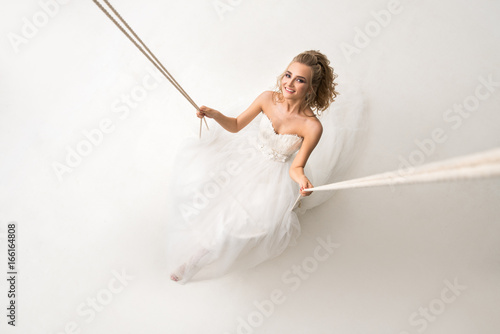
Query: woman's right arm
(233, 124)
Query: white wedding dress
(232, 197)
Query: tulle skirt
(231, 206)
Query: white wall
(400, 247)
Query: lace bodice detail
(275, 146)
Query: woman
(236, 195)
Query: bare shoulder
(264, 100)
(312, 127)
(267, 94)
(266, 97)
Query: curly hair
(322, 89)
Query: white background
(398, 246)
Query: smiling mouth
(289, 90)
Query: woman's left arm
(311, 138)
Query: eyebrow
(297, 76)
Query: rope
(145, 50)
(480, 165)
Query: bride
(235, 193)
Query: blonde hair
(322, 89)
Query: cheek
(303, 88)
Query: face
(296, 81)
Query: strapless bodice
(275, 146)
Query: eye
(300, 80)
(287, 75)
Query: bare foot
(177, 276)
(191, 265)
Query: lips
(291, 91)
